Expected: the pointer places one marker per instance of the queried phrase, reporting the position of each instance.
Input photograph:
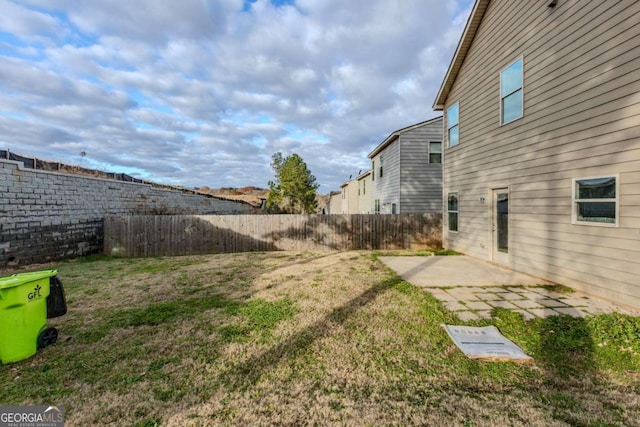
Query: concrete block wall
(49, 216)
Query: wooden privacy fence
(163, 235)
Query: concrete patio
(472, 288)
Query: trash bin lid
(19, 279)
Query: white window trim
(451, 127)
(574, 202)
(429, 152)
(521, 57)
(457, 193)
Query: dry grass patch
(306, 338)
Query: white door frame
(499, 225)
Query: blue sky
(203, 92)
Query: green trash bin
(23, 315)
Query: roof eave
(477, 13)
(363, 175)
(396, 134)
(384, 144)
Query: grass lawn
(312, 338)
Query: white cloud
(200, 92)
(26, 24)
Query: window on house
(435, 152)
(595, 201)
(381, 164)
(373, 170)
(393, 208)
(376, 207)
(364, 187)
(453, 122)
(511, 92)
(452, 210)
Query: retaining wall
(49, 216)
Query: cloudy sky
(203, 92)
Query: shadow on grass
(560, 344)
(582, 357)
(566, 347)
(578, 359)
(248, 372)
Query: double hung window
(453, 124)
(435, 152)
(511, 92)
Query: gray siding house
(542, 142)
(406, 170)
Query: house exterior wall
(350, 197)
(365, 188)
(344, 199)
(420, 180)
(386, 188)
(581, 119)
(335, 203)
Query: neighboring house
(334, 206)
(406, 170)
(542, 134)
(349, 197)
(364, 192)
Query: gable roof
(477, 13)
(396, 134)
